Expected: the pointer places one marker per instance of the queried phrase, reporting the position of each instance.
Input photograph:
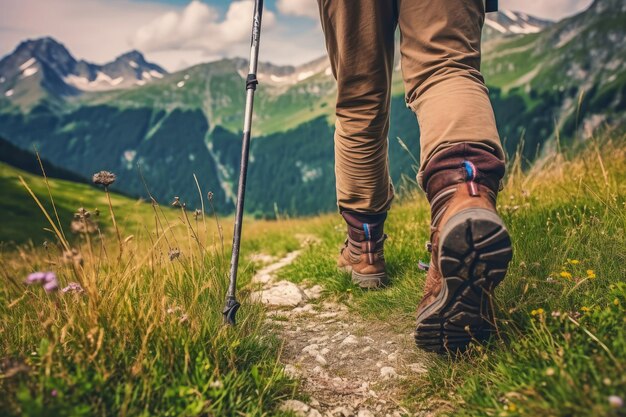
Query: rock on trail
(347, 366)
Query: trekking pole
(232, 305)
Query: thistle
(105, 178)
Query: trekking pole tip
(230, 310)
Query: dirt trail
(347, 366)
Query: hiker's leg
(360, 43)
(440, 49)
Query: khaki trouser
(440, 59)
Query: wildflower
(73, 287)
(174, 254)
(566, 275)
(539, 312)
(616, 302)
(216, 384)
(105, 178)
(197, 214)
(573, 261)
(616, 402)
(82, 213)
(585, 309)
(591, 274)
(54, 393)
(550, 371)
(46, 279)
(556, 314)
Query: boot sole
(369, 281)
(365, 281)
(474, 253)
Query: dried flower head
(105, 178)
(74, 287)
(174, 254)
(83, 226)
(176, 202)
(72, 256)
(48, 280)
(210, 195)
(82, 213)
(197, 214)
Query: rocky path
(347, 366)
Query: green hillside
(22, 219)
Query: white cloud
(306, 8)
(96, 30)
(199, 27)
(552, 9)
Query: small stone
(294, 406)
(312, 350)
(321, 360)
(341, 412)
(262, 278)
(387, 372)
(291, 371)
(365, 413)
(350, 340)
(307, 308)
(393, 357)
(281, 294)
(324, 351)
(418, 368)
(314, 413)
(366, 349)
(314, 292)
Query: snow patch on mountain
(27, 64)
(29, 71)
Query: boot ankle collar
(467, 172)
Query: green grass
(22, 219)
(561, 346)
(146, 337)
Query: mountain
(43, 69)
(189, 122)
(506, 22)
(27, 161)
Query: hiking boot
(470, 252)
(363, 252)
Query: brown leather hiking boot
(471, 250)
(363, 252)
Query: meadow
(134, 326)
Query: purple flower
(54, 393)
(73, 287)
(36, 278)
(48, 280)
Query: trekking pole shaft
(251, 82)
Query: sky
(178, 33)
